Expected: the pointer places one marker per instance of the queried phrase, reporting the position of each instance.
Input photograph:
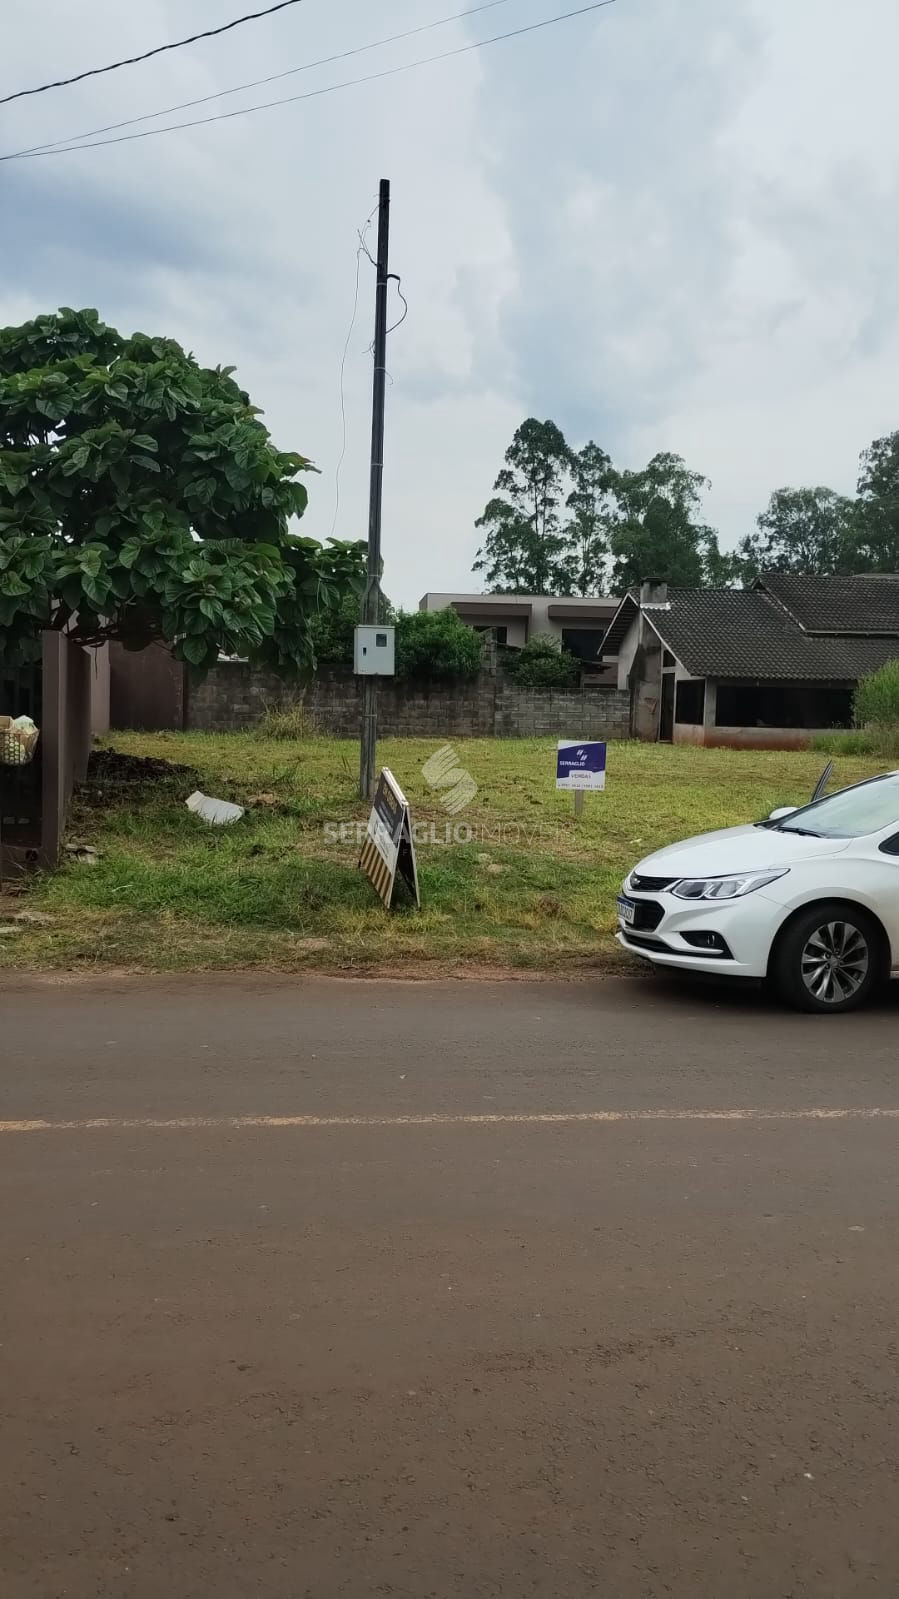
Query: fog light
(710, 943)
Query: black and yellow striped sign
(389, 848)
(377, 871)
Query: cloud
(618, 202)
(668, 227)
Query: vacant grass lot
(534, 888)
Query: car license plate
(626, 912)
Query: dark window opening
(500, 634)
(690, 705)
(805, 705)
(584, 642)
(668, 659)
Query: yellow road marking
(439, 1119)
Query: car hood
(736, 849)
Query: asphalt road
(321, 1290)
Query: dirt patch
(111, 767)
(111, 777)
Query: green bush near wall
(431, 645)
(877, 698)
(435, 646)
(543, 664)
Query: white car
(808, 898)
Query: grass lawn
(534, 888)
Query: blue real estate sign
(581, 765)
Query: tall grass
(286, 722)
(878, 742)
(876, 731)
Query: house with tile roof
(578, 623)
(765, 668)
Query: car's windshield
(852, 813)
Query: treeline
(567, 521)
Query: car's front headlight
(734, 886)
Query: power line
(257, 83)
(312, 94)
(361, 248)
(394, 277)
(130, 61)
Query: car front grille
(650, 885)
(647, 915)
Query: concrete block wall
(234, 696)
(560, 713)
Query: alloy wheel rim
(835, 962)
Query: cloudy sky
(671, 224)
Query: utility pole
(370, 601)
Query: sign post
(389, 847)
(581, 767)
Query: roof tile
(866, 604)
(740, 633)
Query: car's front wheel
(828, 959)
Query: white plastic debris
(217, 812)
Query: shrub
(332, 631)
(542, 664)
(436, 645)
(877, 698)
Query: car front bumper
(747, 927)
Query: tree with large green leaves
(656, 530)
(525, 543)
(809, 530)
(142, 499)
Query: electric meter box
(375, 654)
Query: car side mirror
(782, 811)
